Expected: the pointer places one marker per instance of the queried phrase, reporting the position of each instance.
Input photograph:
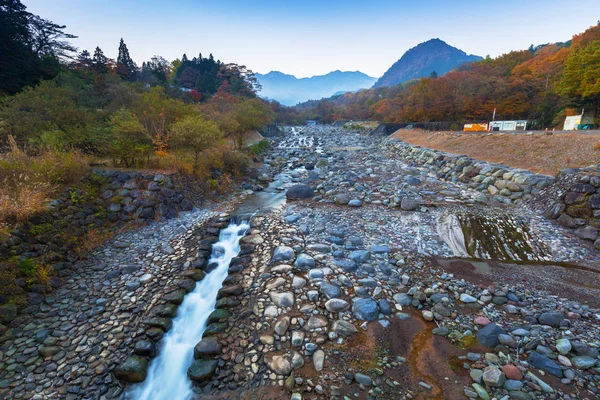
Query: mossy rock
(133, 370)
(8, 312)
(202, 370)
(579, 211)
(215, 328)
(218, 315)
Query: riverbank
(540, 153)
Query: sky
(313, 37)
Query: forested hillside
(541, 84)
(61, 110)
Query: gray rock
(542, 362)
(359, 256)
(283, 253)
(304, 262)
(403, 299)
(285, 299)
(409, 204)
(337, 305)
(343, 328)
(551, 318)
(330, 290)
(492, 376)
(299, 192)
(207, 347)
(488, 335)
(365, 309)
(583, 362)
(363, 379)
(133, 370)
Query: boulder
(207, 347)
(202, 370)
(299, 192)
(365, 309)
(343, 328)
(488, 335)
(542, 362)
(133, 370)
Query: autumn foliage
(535, 84)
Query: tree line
(542, 84)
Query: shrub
(28, 182)
(454, 127)
(260, 147)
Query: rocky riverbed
(376, 279)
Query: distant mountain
(289, 90)
(420, 61)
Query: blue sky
(310, 37)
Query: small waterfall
(167, 377)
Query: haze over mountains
(289, 90)
(420, 61)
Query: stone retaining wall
(495, 181)
(576, 202)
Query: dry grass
(29, 182)
(93, 239)
(540, 153)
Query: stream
(167, 377)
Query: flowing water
(167, 377)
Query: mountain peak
(421, 60)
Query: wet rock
(206, 348)
(202, 370)
(145, 348)
(133, 370)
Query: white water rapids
(167, 377)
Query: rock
(145, 348)
(297, 338)
(542, 362)
(365, 309)
(359, 256)
(283, 253)
(8, 312)
(282, 325)
(355, 203)
(299, 192)
(587, 232)
(337, 305)
(512, 372)
(285, 299)
(563, 346)
(304, 262)
(315, 322)
(363, 379)
(488, 335)
(403, 299)
(481, 392)
(133, 370)
(492, 376)
(583, 362)
(466, 298)
(279, 364)
(343, 328)
(207, 347)
(318, 360)
(341, 199)
(298, 282)
(551, 318)
(409, 204)
(476, 374)
(330, 290)
(202, 370)
(427, 315)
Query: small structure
(580, 122)
(311, 122)
(518, 125)
(475, 128)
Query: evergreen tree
(84, 61)
(19, 65)
(99, 62)
(126, 68)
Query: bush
(28, 182)
(260, 147)
(454, 127)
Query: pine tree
(99, 62)
(84, 60)
(126, 68)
